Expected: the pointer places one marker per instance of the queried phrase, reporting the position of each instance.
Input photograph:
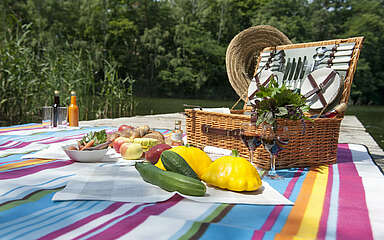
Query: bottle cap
(56, 92)
(73, 93)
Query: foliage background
(111, 50)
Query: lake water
(372, 117)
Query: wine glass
(250, 138)
(273, 140)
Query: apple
(124, 127)
(131, 151)
(118, 142)
(153, 154)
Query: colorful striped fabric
(341, 201)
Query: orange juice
(73, 111)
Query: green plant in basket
(279, 102)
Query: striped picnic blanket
(340, 201)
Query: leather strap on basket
(258, 84)
(319, 88)
(218, 131)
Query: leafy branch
(279, 102)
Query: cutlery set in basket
(321, 71)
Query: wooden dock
(352, 131)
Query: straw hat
(242, 53)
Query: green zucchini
(170, 181)
(175, 163)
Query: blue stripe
(185, 228)
(14, 189)
(29, 191)
(11, 158)
(69, 220)
(20, 224)
(26, 209)
(4, 139)
(76, 208)
(72, 216)
(188, 224)
(219, 231)
(245, 215)
(282, 218)
(334, 205)
(269, 235)
(241, 213)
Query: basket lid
(243, 51)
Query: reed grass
(29, 76)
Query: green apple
(131, 151)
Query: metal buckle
(321, 87)
(204, 128)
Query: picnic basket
(312, 143)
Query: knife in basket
(303, 71)
(286, 70)
(297, 71)
(291, 72)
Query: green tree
(366, 20)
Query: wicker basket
(312, 143)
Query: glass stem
(251, 155)
(272, 172)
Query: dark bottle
(56, 104)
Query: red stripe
(63, 140)
(129, 223)
(259, 234)
(23, 144)
(83, 221)
(326, 205)
(110, 221)
(27, 171)
(16, 145)
(353, 217)
(5, 143)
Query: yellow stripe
(295, 217)
(23, 164)
(310, 223)
(17, 128)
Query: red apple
(124, 127)
(118, 142)
(154, 153)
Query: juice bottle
(73, 111)
(177, 134)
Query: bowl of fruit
(91, 148)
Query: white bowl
(85, 156)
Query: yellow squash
(232, 173)
(196, 158)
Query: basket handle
(218, 131)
